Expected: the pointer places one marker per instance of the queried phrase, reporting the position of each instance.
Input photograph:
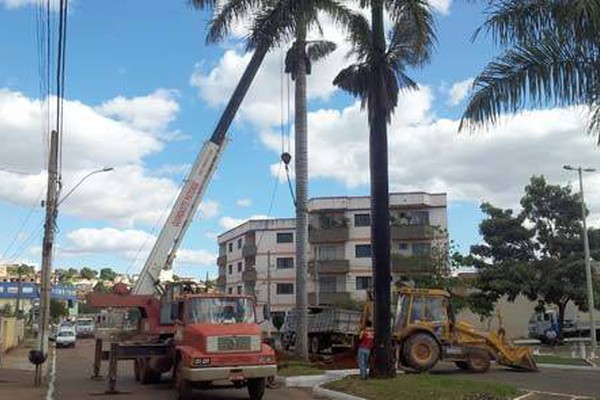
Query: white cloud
(127, 244)
(209, 209)
(14, 4)
(128, 195)
(228, 223)
(244, 202)
(441, 6)
(459, 91)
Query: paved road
(575, 382)
(74, 368)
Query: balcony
(222, 261)
(408, 232)
(221, 282)
(329, 267)
(329, 298)
(328, 235)
(249, 250)
(249, 274)
(411, 265)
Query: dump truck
(425, 331)
(328, 328)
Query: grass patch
(549, 359)
(423, 387)
(298, 368)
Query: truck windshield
(223, 311)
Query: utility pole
(269, 280)
(19, 291)
(48, 242)
(586, 249)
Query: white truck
(85, 327)
(545, 326)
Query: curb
(310, 381)
(566, 366)
(332, 394)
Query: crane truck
(205, 340)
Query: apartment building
(339, 267)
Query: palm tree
(376, 79)
(276, 22)
(552, 57)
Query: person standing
(366, 337)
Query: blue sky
(144, 91)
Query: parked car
(84, 327)
(66, 337)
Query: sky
(144, 91)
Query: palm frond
(203, 4)
(551, 72)
(359, 35)
(274, 23)
(419, 16)
(405, 47)
(231, 12)
(318, 49)
(356, 80)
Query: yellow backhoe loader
(425, 331)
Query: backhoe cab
(425, 331)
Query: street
(74, 368)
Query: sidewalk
(16, 376)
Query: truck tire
(421, 352)
(148, 376)
(478, 361)
(256, 388)
(182, 386)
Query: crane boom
(165, 248)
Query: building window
(285, 288)
(239, 267)
(285, 263)
(419, 218)
(239, 290)
(362, 250)
(285, 238)
(421, 249)
(230, 246)
(363, 282)
(331, 253)
(230, 267)
(402, 246)
(328, 284)
(230, 290)
(362, 220)
(239, 243)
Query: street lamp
(105, 169)
(586, 249)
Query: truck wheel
(183, 387)
(136, 370)
(421, 352)
(147, 374)
(256, 388)
(314, 345)
(478, 361)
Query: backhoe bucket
(520, 358)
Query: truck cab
(217, 342)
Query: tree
(58, 309)
(536, 253)
(107, 274)
(376, 78)
(88, 273)
(21, 270)
(276, 22)
(551, 57)
(65, 275)
(100, 288)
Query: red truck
(207, 340)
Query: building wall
(11, 333)
(263, 234)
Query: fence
(12, 332)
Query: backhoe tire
(462, 365)
(478, 361)
(182, 386)
(421, 352)
(256, 388)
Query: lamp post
(586, 249)
(52, 203)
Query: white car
(65, 338)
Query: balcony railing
(221, 281)
(328, 235)
(249, 275)
(329, 267)
(411, 265)
(329, 298)
(221, 261)
(407, 232)
(249, 250)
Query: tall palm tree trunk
(301, 166)
(380, 213)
